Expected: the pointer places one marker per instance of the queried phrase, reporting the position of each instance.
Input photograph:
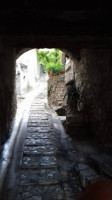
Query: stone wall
(93, 79)
(7, 101)
(56, 91)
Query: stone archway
(84, 32)
(93, 79)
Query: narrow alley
(55, 139)
(45, 169)
(47, 163)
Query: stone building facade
(27, 72)
(56, 93)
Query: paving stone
(40, 121)
(31, 189)
(37, 142)
(25, 195)
(35, 110)
(39, 176)
(33, 198)
(38, 106)
(37, 136)
(38, 109)
(37, 115)
(43, 136)
(54, 192)
(42, 118)
(48, 182)
(38, 129)
(36, 124)
(39, 112)
(40, 161)
(36, 150)
(36, 198)
(46, 192)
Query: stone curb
(5, 160)
(8, 149)
(85, 173)
(57, 123)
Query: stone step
(32, 154)
(40, 149)
(37, 166)
(39, 129)
(39, 176)
(40, 192)
(39, 161)
(36, 120)
(36, 124)
(38, 142)
(41, 136)
(86, 174)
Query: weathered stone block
(87, 176)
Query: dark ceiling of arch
(55, 23)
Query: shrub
(55, 67)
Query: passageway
(46, 162)
(46, 165)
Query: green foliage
(43, 57)
(55, 67)
(50, 60)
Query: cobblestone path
(47, 167)
(46, 163)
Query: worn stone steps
(44, 167)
